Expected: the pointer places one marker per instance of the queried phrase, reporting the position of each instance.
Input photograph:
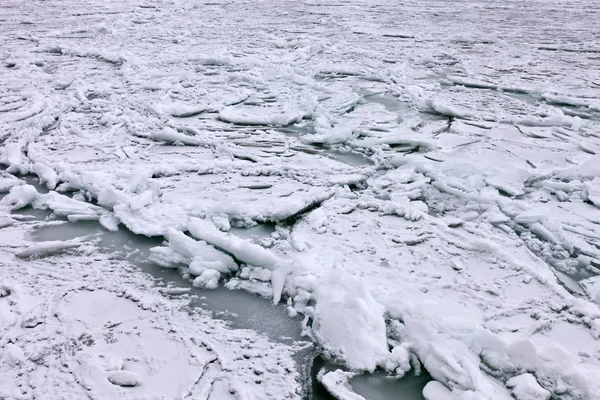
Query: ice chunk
(47, 248)
(167, 257)
(180, 110)
(209, 279)
(590, 168)
(63, 205)
(12, 156)
(109, 222)
(19, 197)
(593, 190)
(436, 391)
(152, 219)
(242, 249)
(277, 281)
(349, 323)
(8, 182)
(46, 174)
(259, 274)
(406, 138)
(221, 222)
(336, 383)
(12, 355)
(124, 378)
(260, 116)
(170, 135)
(438, 333)
(524, 352)
(201, 256)
(109, 197)
(211, 260)
(525, 387)
(399, 361)
(216, 59)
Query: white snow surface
(350, 323)
(336, 383)
(432, 190)
(525, 387)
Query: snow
(525, 387)
(259, 116)
(85, 323)
(336, 383)
(124, 378)
(436, 391)
(47, 248)
(349, 323)
(12, 156)
(170, 135)
(8, 182)
(199, 255)
(208, 279)
(46, 175)
(19, 197)
(417, 200)
(243, 250)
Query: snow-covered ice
(424, 175)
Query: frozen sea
(300, 200)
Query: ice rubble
(469, 246)
(364, 346)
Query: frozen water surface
(404, 185)
(240, 308)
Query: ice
(442, 354)
(258, 116)
(11, 155)
(7, 182)
(122, 334)
(150, 219)
(46, 175)
(593, 188)
(208, 279)
(63, 205)
(243, 250)
(336, 383)
(124, 378)
(416, 201)
(590, 169)
(19, 196)
(170, 135)
(525, 387)
(200, 256)
(349, 323)
(47, 248)
(109, 222)
(436, 391)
